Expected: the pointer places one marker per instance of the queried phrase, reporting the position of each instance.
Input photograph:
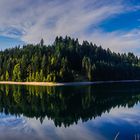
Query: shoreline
(65, 83)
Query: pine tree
(7, 76)
(42, 42)
(16, 73)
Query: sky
(113, 24)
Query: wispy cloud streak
(31, 20)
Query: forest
(66, 60)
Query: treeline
(66, 60)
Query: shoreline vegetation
(66, 60)
(65, 84)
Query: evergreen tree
(42, 42)
(44, 65)
(16, 73)
(7, 76)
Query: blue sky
(7, 42)
(114, 24)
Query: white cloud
(31, 20)
(117, 41)
(70, 18)
(49, 130)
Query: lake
(96, 112)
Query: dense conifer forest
(66, 60)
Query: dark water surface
(97, 112)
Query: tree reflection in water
(67, 105)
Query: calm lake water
(97, 112)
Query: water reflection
(66, 105)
